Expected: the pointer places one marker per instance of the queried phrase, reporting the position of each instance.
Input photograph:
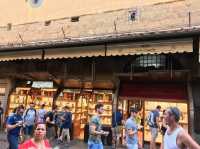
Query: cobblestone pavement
(75, 144)
(3, 140)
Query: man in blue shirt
(29, 116)
(66, 124)
(14, 124)
(155, 127)
(131, 130)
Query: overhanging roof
(105, 45)
(20, 55)
(75, 52)
(122, 49)
(183, 45)
(108, 38)
(151, 47)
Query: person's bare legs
(154, 134)
(68, 135)
(152, 144)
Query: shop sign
(42, 84)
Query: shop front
(146, 96)
(26, 93)
(87, 75)
(81, 102)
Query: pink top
(29, 144)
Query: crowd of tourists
(174, 136)
(35, 129)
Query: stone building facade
(45, 22)
(30, 29)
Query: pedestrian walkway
(3, 140)
(75, 144)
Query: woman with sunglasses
(38, 141)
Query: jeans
(28, 130)
(92, 145)
(13, 141)
(132, 146)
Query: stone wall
(19, 12)
(155, 17)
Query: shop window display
(18, 97)
(106, 100)
(125, 105)
(82, 105)
(23, 96)
(151, 105)
(145, 106)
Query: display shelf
(100, 115)
(23, 96)
(94, 109)
(106, 99)
(150, 105)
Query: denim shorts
(132, 146)
(154, 133)
(92, 145)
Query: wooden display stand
(23, 96)
(82, 105)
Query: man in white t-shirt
(176, 137)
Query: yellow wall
(20, 11)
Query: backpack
(150, 119)
(41, 115)
(27, 113)
(45, 116)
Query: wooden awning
(151, 47)
(119, 49)
(75, 52)
(20, 55)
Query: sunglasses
(40, 129)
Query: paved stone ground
(75, 144)
(3, 140)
